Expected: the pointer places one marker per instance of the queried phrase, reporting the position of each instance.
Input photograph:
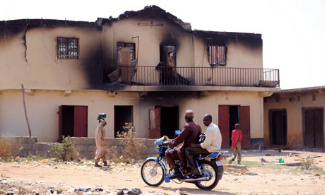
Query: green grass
(307, 167)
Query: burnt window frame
(217, 61)
(124, 44)
(164, 50)
(68, 48)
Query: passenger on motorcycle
(212, 143)
(188, 135)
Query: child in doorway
(236, 138)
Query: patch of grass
(5, 149)
(7, 159)
(308, 166)
(132, 149)
(36, 157)
(114, 155)
(250, 164)
(307, 163)
(64, 151)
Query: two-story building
(146, 67)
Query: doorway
(233, 119)
(313, 127)
(228, 117)
(73, 121)
(278, 127)
(163, 121)
(122, 115)
(169, 121)
(168, 55)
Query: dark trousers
(193, 151)
(175, 154)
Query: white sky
(293, 31)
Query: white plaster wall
(34, 62)
(294, 115)
(42, 108)
(150, 39)
(238, 55)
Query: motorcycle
(154, 170)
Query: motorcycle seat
(210, 156)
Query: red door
(60, 123)
(154, 123)
(244, 120)
(80, 121)
(223, 124)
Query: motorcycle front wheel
(209, 169)
(152, 173)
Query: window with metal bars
(217, 55)
(68, 48)
(125, 53)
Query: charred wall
(90, 62)
(249, 40)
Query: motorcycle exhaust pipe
(196, 179)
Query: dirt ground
(260, 174)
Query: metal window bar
(202, 76)
(217, 55)
(67, 48)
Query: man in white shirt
(212, 143)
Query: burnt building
(145, 67)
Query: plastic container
(166, 177)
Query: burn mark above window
(217, 55)
(168, 55)
(68, 48)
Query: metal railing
(197, 76)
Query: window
(217, 55)
(125, 53)
(68, 48)
(168, 55)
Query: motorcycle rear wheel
(152, 173)
(211, 168)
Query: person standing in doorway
(236, 138)
(101, 147)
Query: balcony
(194, 76)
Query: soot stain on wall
(92, 65)
(250, 40)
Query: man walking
(236, 138)
(101, 147)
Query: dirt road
(46, 177)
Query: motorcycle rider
(212, 143)
(188, 135)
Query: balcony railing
(197, 76)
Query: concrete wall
(42, 107)
(30, 58)
(24, 146)
(293, 107)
